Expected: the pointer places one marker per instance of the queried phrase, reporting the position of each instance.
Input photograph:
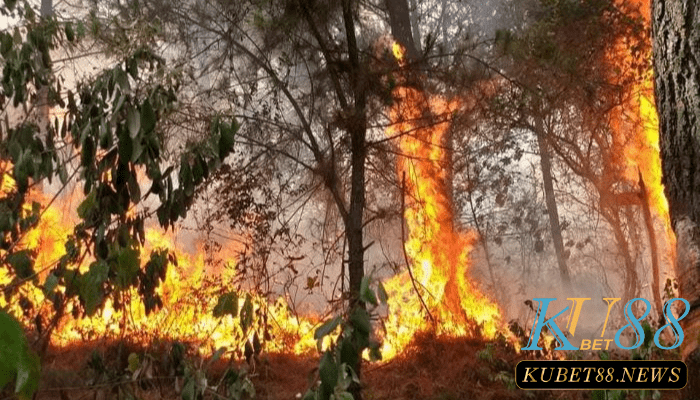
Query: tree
(676, 65)
(304, 79)
(111, 133)
(569, 87)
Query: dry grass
(431, 368)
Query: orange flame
(641, 129)
(438, 252)
(188, 297)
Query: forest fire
(435, 294)
(638, 116)
(438, 254)
(189, 294)
(439, 257)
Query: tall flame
(638, 116)
(439, 254)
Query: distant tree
(562, 88)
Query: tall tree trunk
(46, 8)
(357, 129)
(400, 21)
(676, 44)
(550, 199)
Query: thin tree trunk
(676, 44)
(653, 249)
(357, 129)
(414, 26)
(550, 199)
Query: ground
(430, 368)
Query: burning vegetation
(100, 260)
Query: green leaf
(122, 80)
(327, 327)
(360, 320)
(133, 362)
(381, 293)
(328, 372)
(133, 121)
(17, 360)
(185, 177)
(126, 146)
(70, 33)
(188, 391)
(50, 283)
(227, 305)
(91, 290)
(134, 189)
(128, 265)
(21, 263)
(132, 67)
(246, 316)
(85, 208)
(148, 117)
(10, 4)
(5, 43)
(217, 354)
(343, 396)
(226, 140)
(366, 294)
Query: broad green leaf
(18, 361)
(121, 79)
(137, 150)
(328, 372)
(22, 264)
(327, 327)
(133, 121)
(360, 320)
(227, 305)
(126, 146)
(366, 294)
(5, 43)
(349, 353)
(148, 117)
(128, 265)
(87, 205)
(186, 179)
(134, 189)
(50, 283)
(91, 286)
(310, 395)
